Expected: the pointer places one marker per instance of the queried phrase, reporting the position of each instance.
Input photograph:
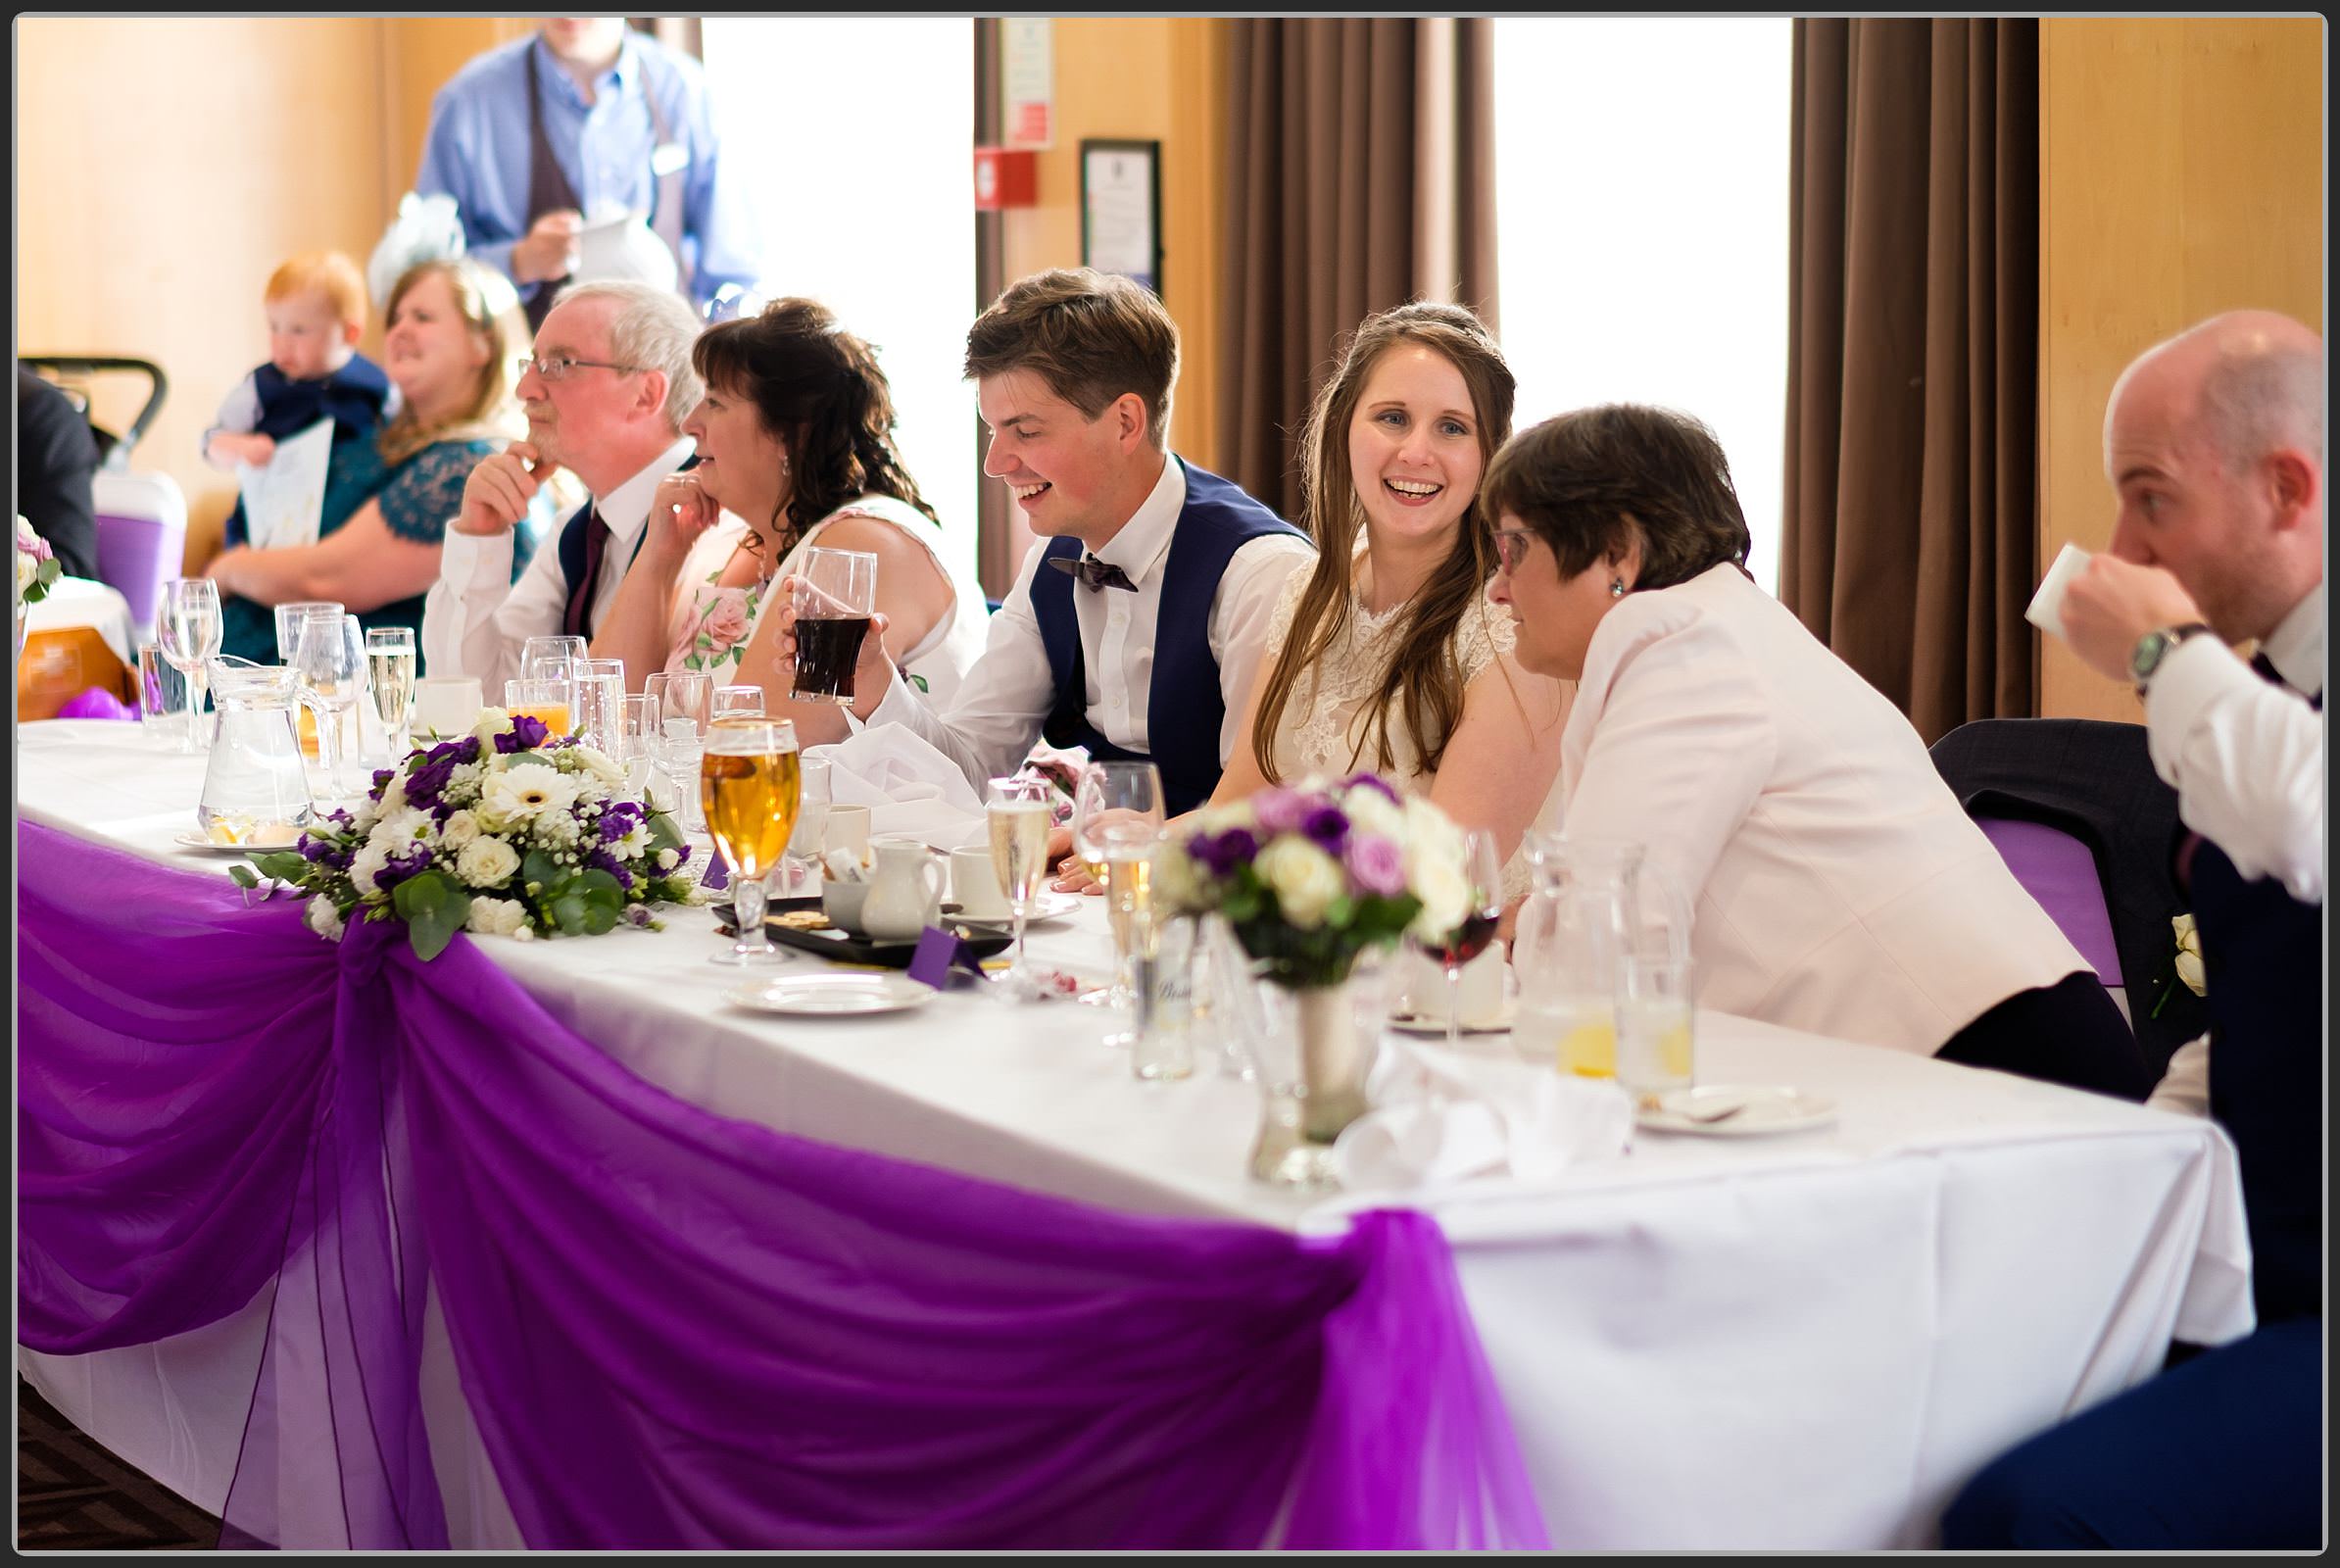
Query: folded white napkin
(1442, 1117)
(909, 787)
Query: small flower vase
(1332, 1060)
(1312, 1061)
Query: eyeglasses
(1511, 548)
(560, 367)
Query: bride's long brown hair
(1424, 678)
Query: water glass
(188, 629)
(550, 658)
(332, 660)
(1108, 793)
(836, 590)
(1655, 1014)
(599, 714)
(637, 738)
(1162, 1046)
(390, 666)
(736, 702)
(288, 624)
(686, 700)
(162, 695)
(813, 824)
(446, 705)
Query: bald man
(2213, 442)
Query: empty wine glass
(188, 632)
(1451, 950)
(1109, 793)
(746, 702)
(550, 658)
(685, 699)
(803, 863)
(332, 660)
(390, 666)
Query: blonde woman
(452, 347)
(1386, 656)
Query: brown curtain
(1360, 175)
(1908, 540)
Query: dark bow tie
(1093, 572)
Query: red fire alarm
(1005, 177)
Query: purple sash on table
(676, 1330)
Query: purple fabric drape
(675, 1330)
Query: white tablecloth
(1804, 1341)
(81, 601)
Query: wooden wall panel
(2181, 173)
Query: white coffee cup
(2046, 611)
(848, 828)
(975, 884)
(446, 705)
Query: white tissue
(844, 866)
(909, 787)
(1442, 1117)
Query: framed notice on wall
(1121, 209)
(1027, 83)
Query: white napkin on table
(909, 787)
(1442, 1117)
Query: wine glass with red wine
(1468, 940)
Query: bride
(796, 432)
(1386, 656)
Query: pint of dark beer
(836, 590)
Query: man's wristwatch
(2155, 646)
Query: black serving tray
(849, 946)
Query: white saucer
(1765, 1108)
(1435, 1024)
(1045, 908)
(818, 996)
(192, 840)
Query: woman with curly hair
(795, 448)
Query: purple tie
(577, 620)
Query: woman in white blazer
(1837, 884)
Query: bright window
(1641, 223)
(861, 182)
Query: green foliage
(434, 907)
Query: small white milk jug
(906, 891)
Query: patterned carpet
(72, 1495)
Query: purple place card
(717, 875)
(939, 953)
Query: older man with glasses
(606, 395)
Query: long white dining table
(1800, 1342)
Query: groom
(1135, 628)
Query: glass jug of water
(1595, 904)
(255, 790)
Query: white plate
(1428, 1024)
(1046, 907)
(1764, 1108)
(828, 996)
(192, 840)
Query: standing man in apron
(584, 119)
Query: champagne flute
(390, 663)
(1458, 946)
(749, 788)
(638, 738)
(1018, 814)
(188, 632)
(1130, 846)
(1108, 793)
(332, 660)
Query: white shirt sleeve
(2246, 757)
(1241, 616)
(1001, 702)
(239, 413)
(2185, 1083)
(475, 618)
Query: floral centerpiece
(502, 832)
(37, 571)
(1310, 877)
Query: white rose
(591, 760)
(1445, 894)
(497, 917)
(369, 860)
(486, 862)
(323, 918)
(522, 791)
(394, 792)
(668, 860)
(1371, 812)
(492, 721)
(460, 829)
(1305, 879)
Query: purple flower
(618, 818)
(1225, 852)
(527, 733)
(604, 860)
(1279, 811)
(424, 784)
(314, 850)
(1376, 865)
(381, 780)
(638, 914)
(1325, 826)
(1375, 780)
(401, 866)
